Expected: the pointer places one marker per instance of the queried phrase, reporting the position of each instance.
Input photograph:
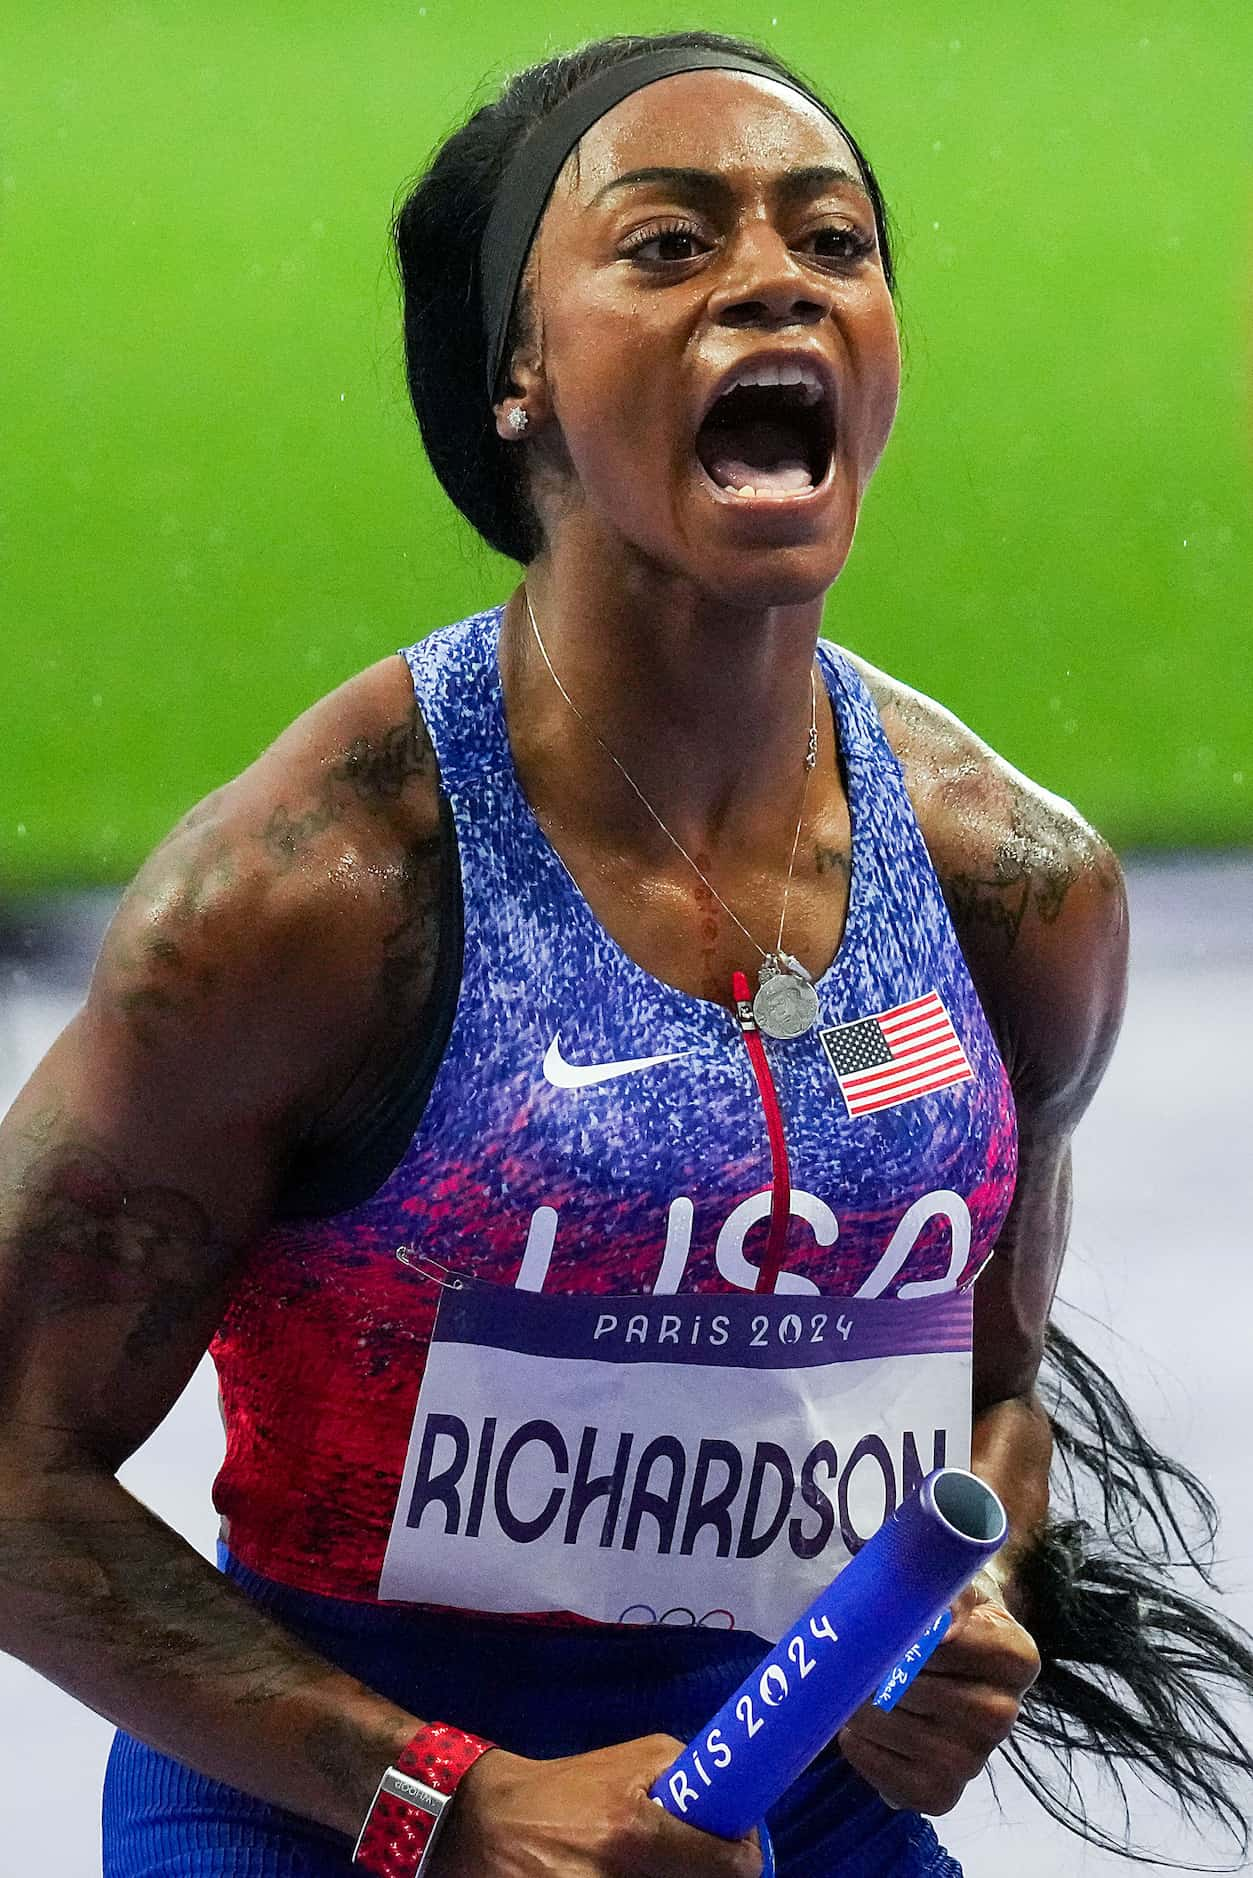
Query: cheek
(620, 422)
(622, 442)
(883, 350)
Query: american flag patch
(895, 1056)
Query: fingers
(899, 1781)
(674, 1846)
(581, 1816)
(981, 1713)
(677, 1847)
(919, 1766)
(985, 1645)
(924, 1718)
(925, 1751)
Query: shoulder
(279, 922)
(345, 790)
(1036, 894)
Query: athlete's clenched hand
(586, 1816)
(923, 1753)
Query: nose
(766, 285)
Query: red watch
(409, 1808)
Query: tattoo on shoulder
(183, 885)
(1031, 870)
(372, 771)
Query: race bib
(712, 1459)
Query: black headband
(536, 164)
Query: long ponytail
(1136, 1673)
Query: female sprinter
(610, 974)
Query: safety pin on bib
(410, 1256)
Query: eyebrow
(707, 185)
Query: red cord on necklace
(781, 1179)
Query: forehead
(723, 121)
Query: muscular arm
(1039, 904)
(242, 1005)
(1053, 981)
(238, 1005)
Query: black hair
(1136, 1673)
(437, 233)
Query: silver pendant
(786, 1005)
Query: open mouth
(767, 440)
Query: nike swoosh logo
(563, 1075)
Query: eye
(838, 243)
(673, 241)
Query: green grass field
(214, 506)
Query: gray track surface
(1160, 1250)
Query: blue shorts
(538, 1690)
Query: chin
(781, 577)
(746, 563)
(754, 575)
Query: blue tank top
(591, 1128)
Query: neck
(705, 704)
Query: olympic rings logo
(677, 1614)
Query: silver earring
(518, 420)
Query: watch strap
(413, 1795)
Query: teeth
(747, 490)
(789, 373)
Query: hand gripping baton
(848, 1644)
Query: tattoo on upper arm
(151, 975)
(112, 1587)
(1033, 868)
(183, 887)
(373, 771)
(411, 943)
(1038, 849)
(154, 976)
(89, 1240)
(997, 901)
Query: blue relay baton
(889, 1603)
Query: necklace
(786, 1004)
